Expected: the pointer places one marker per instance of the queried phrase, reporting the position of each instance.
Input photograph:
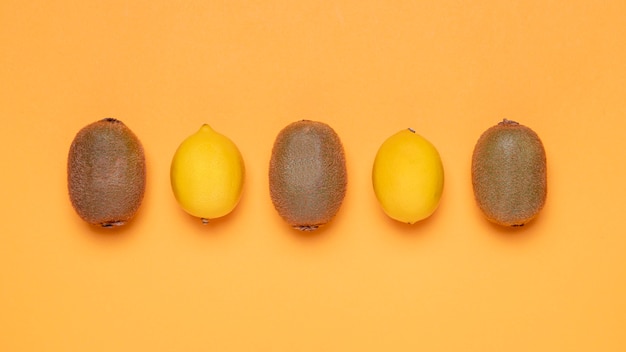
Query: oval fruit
(509, 174)
(207, 174)
(408, 177)
(307, 174)
(106, 173)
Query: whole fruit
(408, 177)
(307, 174)
(207, 174)
(509, 174)
(106, 173)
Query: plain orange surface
(247, 282)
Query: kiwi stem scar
(112, 224)
(306, 227)
(412, 130)
(205, 221)
(507, 122)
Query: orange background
(247, 282)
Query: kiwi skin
(106, 173)
(509, 174)
(307, 174)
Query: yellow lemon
(207, 174)
(408, 177)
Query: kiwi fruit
(106, 173)
(509, 174)
(307, 174)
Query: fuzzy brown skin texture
(307, 174)
(106, 173)
(509, 174)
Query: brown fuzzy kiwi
(509, 174)
(106, 173)
(307, 174)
